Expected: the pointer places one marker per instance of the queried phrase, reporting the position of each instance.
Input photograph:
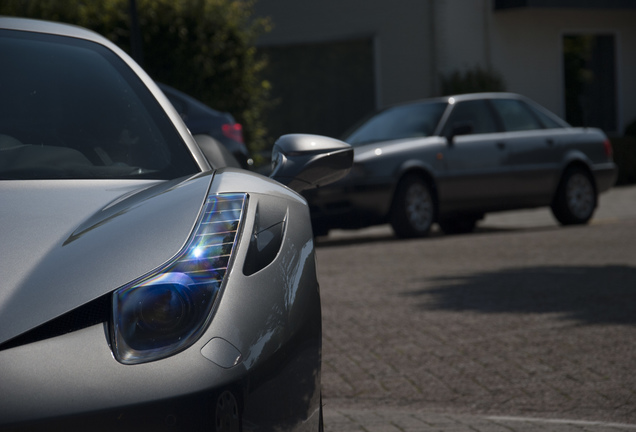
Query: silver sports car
(142, 289)
(450, 160)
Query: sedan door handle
(501, 145)
(550, 142)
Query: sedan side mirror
(461, 128)
(302, 161)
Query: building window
(590, 80)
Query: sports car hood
(103, 234)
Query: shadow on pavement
(355, 237)
(589, 295)
(344, 241)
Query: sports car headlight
(166, 311)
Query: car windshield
(404, 121)
(72, 109)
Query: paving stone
(512, 328)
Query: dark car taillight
(233, 131)
(607, 146)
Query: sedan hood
(67, 242)
(373, 151)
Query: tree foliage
(202, 47)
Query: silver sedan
(450, 160)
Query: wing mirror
(302, 161)
(461, 128)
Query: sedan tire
(413, 209)
(576, 197)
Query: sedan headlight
(166, 311)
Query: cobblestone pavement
(383, 420)
(520, 326)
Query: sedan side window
(470, 117)
(545, 118)
(515, 115)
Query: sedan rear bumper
(605, 176)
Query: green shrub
(202, 47)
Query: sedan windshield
(72, 109)
(405, 121)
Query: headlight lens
(166, 311)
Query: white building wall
(418, 40)
(526, 47)
(461, 36)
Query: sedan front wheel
(413, 208)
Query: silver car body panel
(69, 244)
(257, 315)
(58, 227)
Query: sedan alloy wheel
(413, 209)
(580, 196)
(576, 198)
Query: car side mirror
(301, 161)
(461, 128)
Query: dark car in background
(142, 287)
(203, 120)
(450, 160)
